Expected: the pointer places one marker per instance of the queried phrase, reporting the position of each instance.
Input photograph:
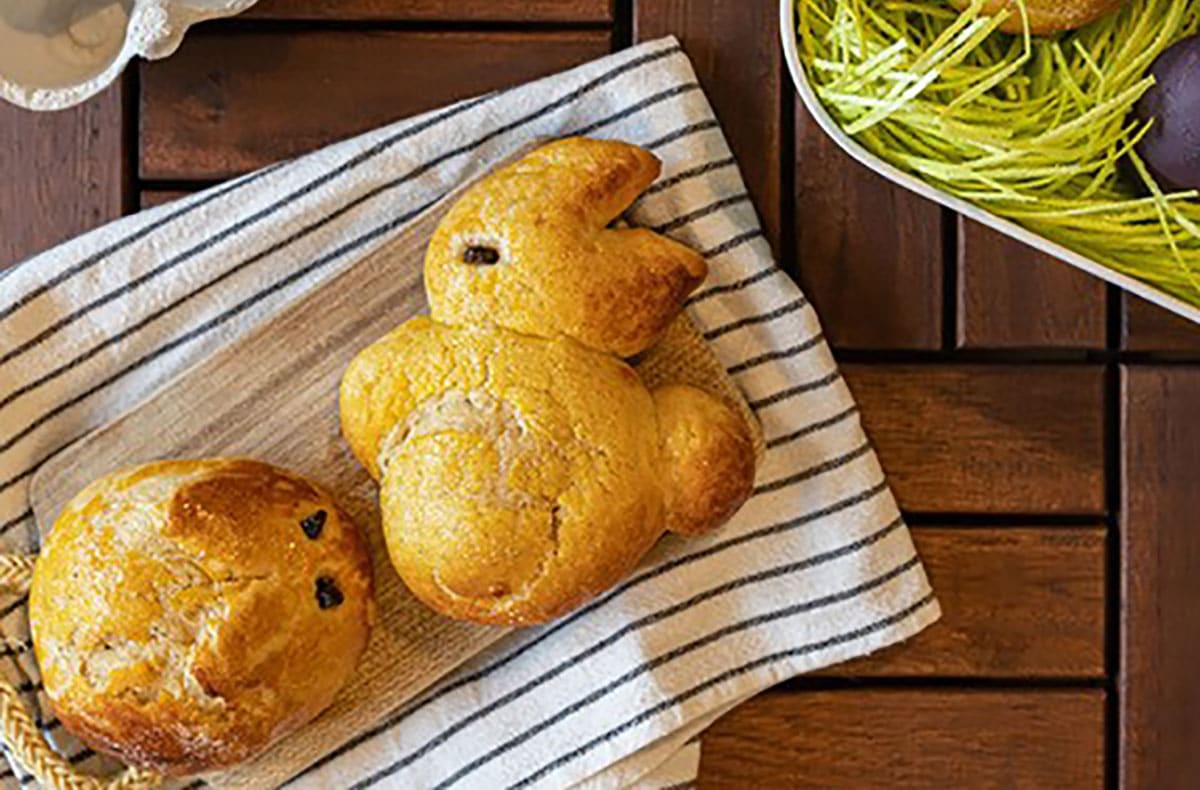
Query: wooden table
(1040, 428)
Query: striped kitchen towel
(817, 568)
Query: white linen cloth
(817, 567)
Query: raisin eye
(328, 594)
(481, 255)
(312, 525)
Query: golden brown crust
(557, 267)
(517, 476)
(708, 459)
(175, 611)
(519, 460)
(1048, 16)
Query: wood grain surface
(1160, 580)
(1017, 602)
(1013, 296)
(60, 173)
(910, 738)
(1009, 457)
(1148, 327)
(861, 241)
(734, 47)
(231, 102)
(149, 198)
(987, 438)
(437, 10)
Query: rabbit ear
(586, 181)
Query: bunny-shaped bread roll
(524, 466)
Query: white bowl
(55, 53)
(791, 51)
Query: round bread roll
(187, 614)
(1048, 16)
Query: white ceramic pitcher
(55, 53)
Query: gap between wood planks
(236, 25)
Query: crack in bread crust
(517, 472)
(503, 429)
(174, 616)
(519, 457)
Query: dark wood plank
(1148, 327)
(1160, 578)
(437, 10)
(734, 47)
(1017, 602)
(149, 198)
(909, 738)
(62, 173)
(869, 254)
(234, 101)
(987, 438)
(1013, 296)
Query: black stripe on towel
(225, 275)
(799, 389)
(812, 428)
(686, 175)
(734, 243)
(137, 235)
(369, 236)
(811, 517)
(420, 126)
(636, 107)
(678, 134)
(358, 242)
(815, 471)
(194, 333)
(737, 285)
(703, 211)
(18, 519)
(188, 254)
(842, 596)
(772, 356)
(729, 674)
(760, 318)
(632, 627)
(14, 606)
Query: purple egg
(1171, 149)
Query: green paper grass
(1035, 130)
